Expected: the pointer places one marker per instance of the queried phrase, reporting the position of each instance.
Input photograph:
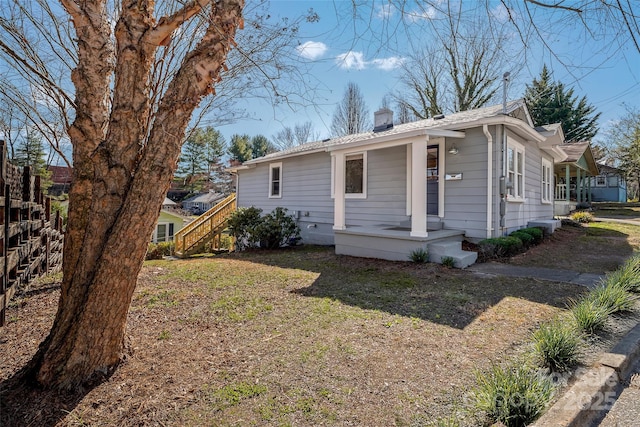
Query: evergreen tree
(30, 152)
(192, 166)
(240, 149)
(551, 102)
(261, 146)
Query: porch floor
(395, 243)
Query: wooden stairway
(207, 228)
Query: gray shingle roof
(453, 121)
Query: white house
(426, 184)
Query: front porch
(572, 177)
(395, 243)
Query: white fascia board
(235, 169)
(515, 125)
(252, 163)
(394, 140)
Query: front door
(432, 179)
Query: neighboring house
(427, 184)
(168, 224)
(609, 185)
(201, 203)
(60, 180)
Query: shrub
(159, 250)
(556, 346)
(497, 247)
(534, 232)
(582, 217)
(514, 395)
(273, 230)
(242, 226)
(589, 317)
(277, 229)
(526, 238)
(419, 255)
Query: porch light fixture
(453, 149)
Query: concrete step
(452, 249)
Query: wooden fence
(31, 239)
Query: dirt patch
(300, 337)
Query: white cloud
(500, 13)
(423, 14)
(385, 11)
(351, 60)
(312, 50)
(388, 64)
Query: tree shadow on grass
(426, 291)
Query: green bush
(589, 317)
(419, 255)
(277, 229)
(497, 247)
(273, 230)
(582, 217)
(526, 238)
(159, 250)
(514, 395)
(534, 232)
(556, 346)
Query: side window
(355, 175)
(515, 170)
(275, 180)
(546, 181)
(601, 181)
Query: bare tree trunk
(123, 164)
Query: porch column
(567, 178)
(338, 201)
(419, 188)
(589, 189)
(578, 187)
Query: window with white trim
(275, 180)
(355, 175)
(547, 183)
(515, 170)
(163, 232)
(601, 181)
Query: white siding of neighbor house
(386, 190)
(306, 193)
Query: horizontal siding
(386, 190)
(306, 188)
(465, 200)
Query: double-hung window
(275, 180)
(515, 170)
(601, 181)
(547, 183)
(356, 175)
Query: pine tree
(240, 149)
(30, 152)
(551, 102)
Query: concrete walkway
(588, 280)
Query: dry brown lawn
(297, 337)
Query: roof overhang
(393, 140)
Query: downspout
(485, 129)
(503, 178)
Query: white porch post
(338, 201)
(419, 188)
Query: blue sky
(368, 48)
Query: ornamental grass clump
(612, 297)
(556, 345)
(515, 395)
(627, 276)
(589, 316)
(419, 256)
